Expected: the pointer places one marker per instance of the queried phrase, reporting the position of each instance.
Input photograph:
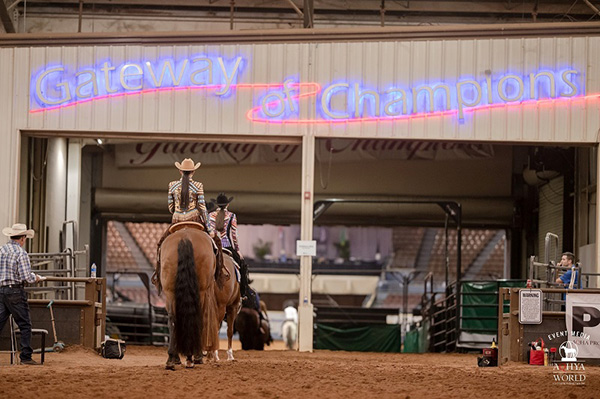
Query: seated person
(567, 260)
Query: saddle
(181, 225)
(238, 274)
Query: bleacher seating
(406, 242)
(146, 236)
(118, 255)
(493, 267)
(473, 242)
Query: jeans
(14, 301)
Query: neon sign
(344, 102)
(58, 87)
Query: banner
(583, 324)
(155, 154)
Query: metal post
(80, 16)
(308, 13)
(446, 257)
(231, 10)
(305, 307)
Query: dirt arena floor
(81, 373)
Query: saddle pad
(181, 225)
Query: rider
(186, 196)
(252, 301)
(224, 222)
(186, 203)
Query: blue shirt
(566, 279)
(15, 266)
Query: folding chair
(14, 344)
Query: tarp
(411, 342)
(424, 337)
(361, 338)
(480, 305)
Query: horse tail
(244, 278)
(188, 321)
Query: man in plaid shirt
(15, 270)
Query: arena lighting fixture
(99, 141)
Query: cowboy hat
(222, 200)
(187, 165)
(18, 229)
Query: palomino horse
(227, 293)
(188, 273)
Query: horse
(188, 275)
(289, 331)
(229, 301)
(247, 325)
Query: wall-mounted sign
(153, 154)
(530, 306)
(582, 317)
(293, 101)
(306, 248)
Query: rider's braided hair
(220, 220)
(185, 190)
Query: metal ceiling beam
(552, 7)
(566, 29)
(6, 19)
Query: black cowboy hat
(222, 200)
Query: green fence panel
(362, 338)
(424, 337)
(480, 304)
(411, 342)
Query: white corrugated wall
(377, 65)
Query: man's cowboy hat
(18, 229)
(187, 165)
(222, 200)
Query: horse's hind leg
(173, 359)
(231, 315)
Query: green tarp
(417, 340)
(480, 305)
(411, 342)
(362, 338)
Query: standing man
(567, 260)
(15, 270)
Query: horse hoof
(189, 364)
(170, 366)
(198, 361)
